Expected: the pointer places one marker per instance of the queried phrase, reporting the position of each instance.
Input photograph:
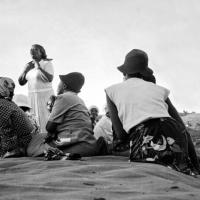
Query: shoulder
(113, 89)
(64, 98)
(114, 86)
(46, 62)
(162, 88)
(59, 98)
(158, 90)
(18, 114)
(6, 108)
(65, 95)
(165, 91)
(10, 105)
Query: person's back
(12, 117)
(15, 127)
(69, 126)
(71, 112)
(138, 100)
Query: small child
(94, 115)
(50, 102)
(22, 101)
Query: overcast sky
(93, 37)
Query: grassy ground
(195, 134)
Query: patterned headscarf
(7, 87)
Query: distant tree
(185, 112)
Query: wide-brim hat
(21, 100)
(74, 81)
(136, 61)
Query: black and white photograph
(99, 100)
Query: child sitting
(50, 102)
(22, 101)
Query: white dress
(40, 89)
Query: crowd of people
(140, 121)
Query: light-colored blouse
(37, 81)
(137, 101)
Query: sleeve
(167, 92)
(108, 92)
(48, 67)
(59, 109)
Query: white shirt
(137, 101)
(104, 128)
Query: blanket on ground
(93, 178)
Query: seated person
(141, 117)
(17, 133)
(22, 101)
(15, 127)
(103, 128)
(94, 115)
(69, 126)
(51, 102)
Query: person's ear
(65, 87)
(125, 76)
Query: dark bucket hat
(136, 61)
(74, 81)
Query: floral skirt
(161, 141)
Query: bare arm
(22, 78)
(174, 113)
(117, 125)
(45, 73)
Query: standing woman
(39, 75)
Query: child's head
(94, 112)
(50, 102)
(22, 101)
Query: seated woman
(15, 127)
(140, 117)
(69, 122)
